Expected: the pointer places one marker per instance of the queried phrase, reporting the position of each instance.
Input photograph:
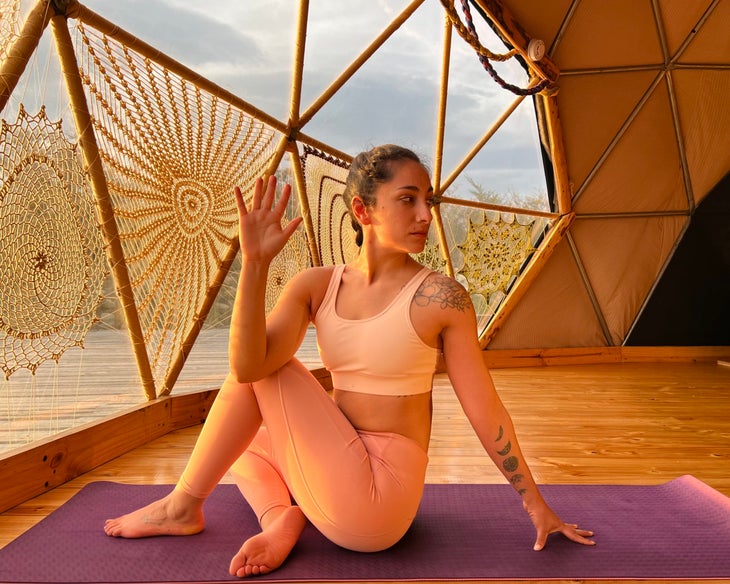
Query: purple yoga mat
(680, 529)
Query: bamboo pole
(90, 149)
(439, 146)
(487, 136)
(557, 154)
(278, 155)
(357, 63)
(298, 68)
(525, 279)
(21, 50)
(499, 208)
(443, 100)
(108, 28)
(304, 206)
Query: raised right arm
(257, 345)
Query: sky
(247, 47)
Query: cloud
(248, 48)
(189, 37)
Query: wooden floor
(625, 423)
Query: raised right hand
(260, 232)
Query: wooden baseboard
(30, 471)
(503, 359)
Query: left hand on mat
(546, 522)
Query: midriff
(408, 415)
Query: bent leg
(360, 491)
(230, 427)
(282, 522)
(259, 479)
(232, 423)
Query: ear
(360, 211)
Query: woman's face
(401, 216)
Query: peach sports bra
(380, 355)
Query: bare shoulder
(305, 286)
(313, 276)
(442, 292)
(312, 284)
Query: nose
(424, 213)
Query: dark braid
(368, 171)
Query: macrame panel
(52, 263)
(489, 252)
(9, 15)
(172, 155)
(325, 179)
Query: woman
(354, 463)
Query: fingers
(291, 227)
(577, 535)
(582, 536)
(283, 200)
(264, 195)
(257, 193)
(239, 201)
(570, 531)
(270, 192)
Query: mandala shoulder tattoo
(442, 291)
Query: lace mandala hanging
(52, 263)
(9, 14)
(494, 252)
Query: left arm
(487, 415)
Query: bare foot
(176, 514)
(267, 551)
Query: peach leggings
(360, 489)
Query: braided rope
(469, 34)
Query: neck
(375, 263)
